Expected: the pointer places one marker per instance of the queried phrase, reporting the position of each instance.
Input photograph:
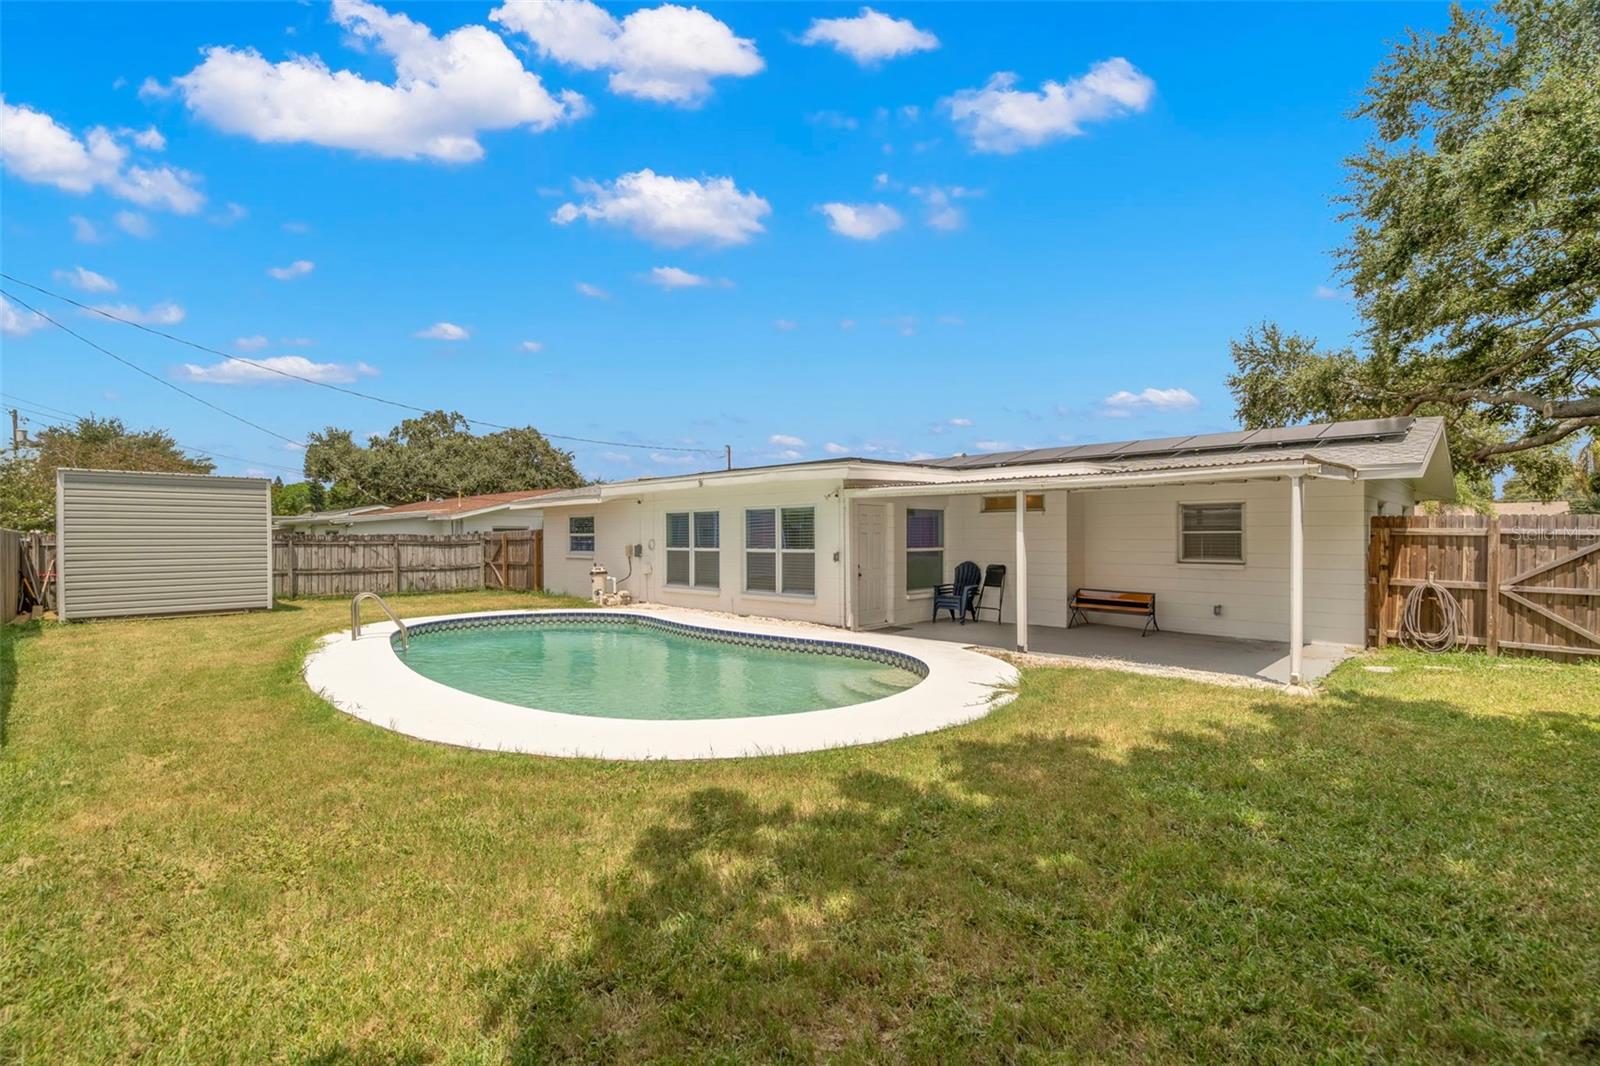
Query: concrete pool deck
(366, 679)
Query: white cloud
(250, 344)
(134, 223)
(959, 422)
(784, 324)
(1328, 292)
(231, 213)
(835, 449)
(1001, 118)
(943, 214)
(676, 278)
(786, 440)
(672, 460)
(861, 222)
(594, 292)
(447, 90)
(84, 231)
(870, 37)
(1124, 403)
(298, 342)
(668, 54)
(257, 372)
(670, 211)
(905, 325)
(150, 139)
(531, 347)
(950, 320)
(85, 280)
(165, 313)
(15, 323)
(833, 120)
(992, 446)
(443, 331)
(297, 227)
(297, 269)
(37, 149)
(847, 323)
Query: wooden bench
(1141, 603)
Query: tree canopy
(434, 456)
(28, 479)
(1474, 249)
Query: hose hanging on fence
(1447, 636)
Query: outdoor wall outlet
(1216, 609)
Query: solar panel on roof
(1098, 451)
(1153, 446)
(1287, 435)
(1365, 427)
(1210, 441)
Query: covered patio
(1222, 658)
(1058, 531)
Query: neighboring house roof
(1405, 448)
(447, 510)
(325, 516)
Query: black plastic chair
(994, 577)
(956, 597)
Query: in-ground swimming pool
(621, 666)
(651, 683)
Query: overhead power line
(52, 416)
(157, 378)
(358, 393)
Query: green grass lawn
(201, 861)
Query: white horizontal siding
(1130, 541)
(986, 539)
(642, 520)
(133, 543)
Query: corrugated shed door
(134, 543)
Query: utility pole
(727, 449)
(19, 439)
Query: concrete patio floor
(1223, 658)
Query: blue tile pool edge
(802, 645)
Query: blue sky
(806, 232)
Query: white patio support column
(1022, 571)
(1297, 579)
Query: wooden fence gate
(1527, 584)
(342, 564)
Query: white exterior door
(872, 565)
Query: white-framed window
(1007, 504)
(1211, 533)
(924, 548)
(580, 534)
(780, 550)
(694, 549)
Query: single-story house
(1255, 534)
(490, 512)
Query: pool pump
(603, 588)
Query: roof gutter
(1305, 467)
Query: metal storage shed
(140, 543)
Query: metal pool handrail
(355, 617)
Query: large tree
(434, 456)
(1474, 248)
(28, 478)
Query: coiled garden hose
(1447, 636)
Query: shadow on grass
(11, 636)
(1350, 877)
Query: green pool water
(624, 671)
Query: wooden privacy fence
(1527, 584)
(339, 564)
